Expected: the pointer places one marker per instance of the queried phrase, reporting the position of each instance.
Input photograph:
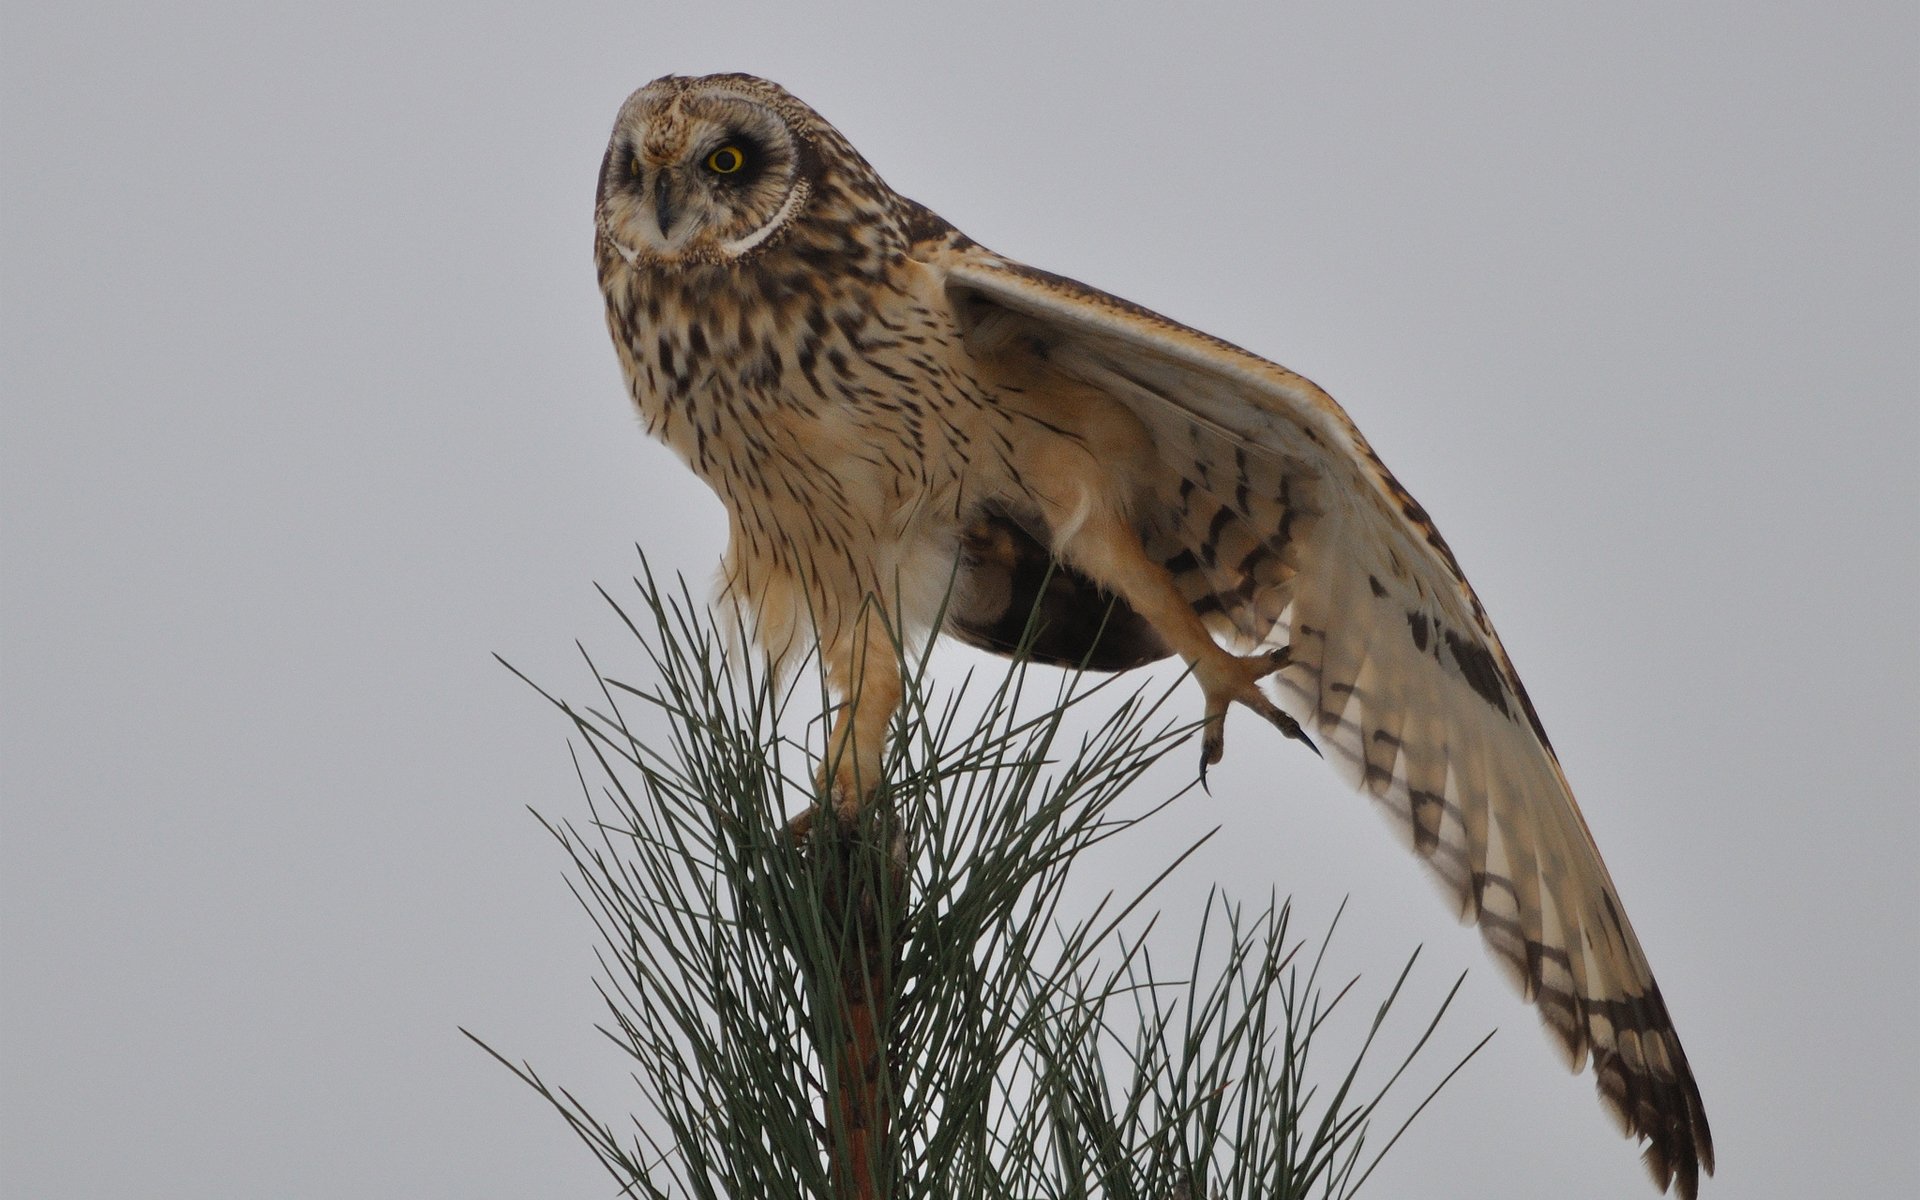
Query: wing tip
(1660, 1105)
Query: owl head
(713, 170)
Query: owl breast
(835, 430)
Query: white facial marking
(740, 246)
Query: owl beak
(663, 203)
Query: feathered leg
(864, 671)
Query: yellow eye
(726, 160)
(633, 164)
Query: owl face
(700, 171)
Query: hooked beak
(663, 203)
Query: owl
(914, 435)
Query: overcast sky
(309, 408)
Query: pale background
(309, 408)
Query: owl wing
(1281, 526)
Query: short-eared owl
(886, 407)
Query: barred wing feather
(1281, 526)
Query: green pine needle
(1034, 1052)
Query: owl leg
(1106, 548)
(866, 674)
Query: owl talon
(1213, 744)
(1281, 721)
(803, 827)
(845, 796)
(1231, 679)
(839, 795)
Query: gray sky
(309, 408)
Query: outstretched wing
(1282, 527)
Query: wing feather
(1281, 526)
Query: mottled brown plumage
(886, 408)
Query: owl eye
(633, 165)
(727, 160)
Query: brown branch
(865, 888)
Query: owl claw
(842, 797)
(1229, 679)
(800, 828)
(1284, 723)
